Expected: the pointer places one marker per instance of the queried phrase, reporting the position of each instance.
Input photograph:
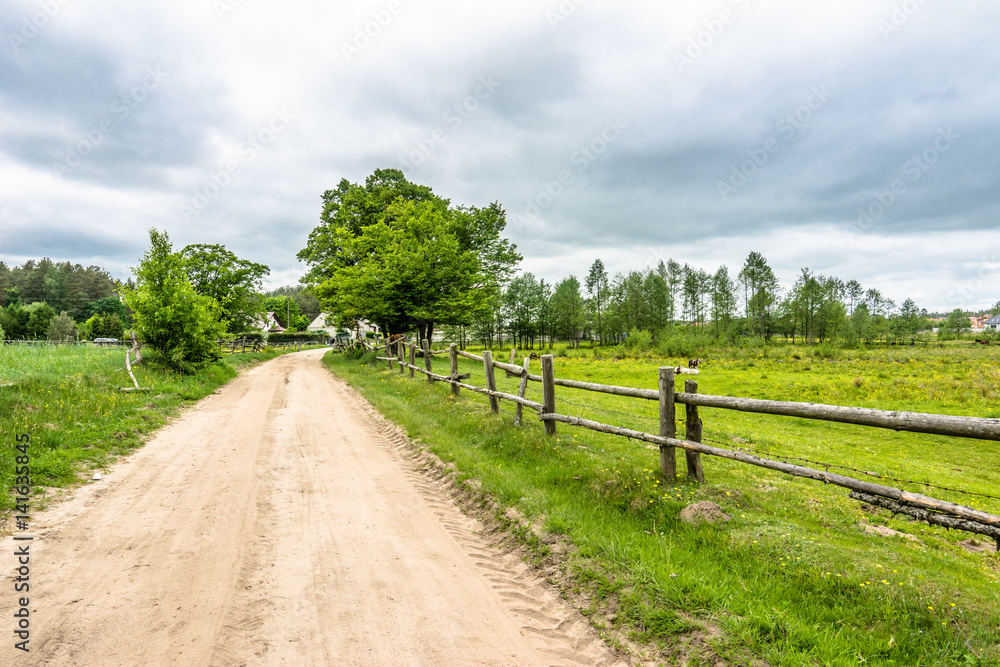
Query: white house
(320, 324)
(992, 323)
(268, 324)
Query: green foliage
(111, 305)
(639, 339)
(956, 324)
(287, 311)
(233, 283)
(14, 320)
(40, 314)
(297, 337)
(63, 286)
(568, 314)
(170, 316)
(308, 303)
(103, 326)
(393, 253)
(62, 328)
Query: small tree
(62, 328)
(169, 315)
(955, 325)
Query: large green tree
(234, 283)
(568, 313)
(597, 288)
(169, 314)
(760, 293)
(394, 253)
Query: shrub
(825, 350)
(170, 316)
(639, 339)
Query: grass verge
(792, 578)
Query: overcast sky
(859, 138)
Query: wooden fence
(932, 510)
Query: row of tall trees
(62, 285)
(659, 299)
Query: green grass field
(67, 399)
(792, 578)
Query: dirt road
(276, 523)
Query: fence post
(513, 353)
(388, 353)
(668, 425)
(692, 432)
(521, 391)
(491, 379)
(427, 359)
(413, 358)
(400, 345)
(548, 392)
(453, 358)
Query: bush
(639, 339)
(825, 350)
(298, 337)
(170, 316)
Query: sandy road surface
(277, 523)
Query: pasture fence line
(899, 501)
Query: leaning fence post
(388, 353)
(413, 358)
(668, 425)
(513, 353)
(400, 345)
(491, 379)
(427, 359)
(453, 358)
(548, 392)
(692, 432)
(521, 391)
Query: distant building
(342, 335)
(319, 325)
(992, 323)
(268, 324)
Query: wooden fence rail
(932, 510)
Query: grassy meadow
(793, 577)
(67, 399)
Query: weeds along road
(277, 522)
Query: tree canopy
(233, 283)
(395, 254)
